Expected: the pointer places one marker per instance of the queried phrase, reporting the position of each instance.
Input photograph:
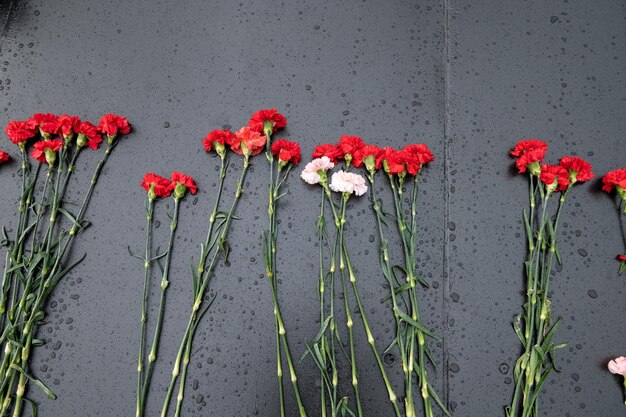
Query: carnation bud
(551, 187)
(68, 138)
(81, 140)
(323, 177)
(534, 168)
(51, 157)
(386, 166)
(268, 127)
(179, 191)
(348, 158)
(245, 149)
(151, 194)
(220, 149)
(370, 163)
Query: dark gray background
(467, 80)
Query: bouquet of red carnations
(535, 327)
(38, 251)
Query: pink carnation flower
(311, 170)
(618, 366)
(348, 182)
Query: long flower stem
(270, 269)
(144, 304)
(387, 272)
(349, 321)
(204, 276)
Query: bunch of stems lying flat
(38, 253)
(535, 327)
(410, 334)
(227, 145)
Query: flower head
(367, 155)
(286, 151)
(19, 132)
(621, 258)
(415, 156)
(348, 146)
(4, 157)
(392, 161)
(529, 154)
(555, 177)
(267, 121)
(217, 141)
(579, 170)
(45, 150)
(87, 135)
(618, 366)
(156, 185)
(112, 124)
(329, 150)
(181, 183)
(47, 123)
(315, 170)
(348, 183)
(247, 142)
(615, 179)
(67, 125)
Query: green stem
(144, 304)
(159, 324)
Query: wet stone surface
(468, 80)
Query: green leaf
(440, 403)
(36, 381)
(69, 216)
(414, 323)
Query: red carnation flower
(67, 124)
(249, 140)
(392, 160)
(273, 119)
(112, 124)
(551, 173)
(40, 148)
(349, 145)
(421, 152)
(615, 179)
(415, 156)
(217, 139)
(329, 150)
(181, 183)
(286, 151)
(579, 170)
(19, 132)
(621, 258)
(87, 135)
(47, 123)
(161, 187)
(367, 151)
(529, 152)
(4, 157)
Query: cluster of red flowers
(570, 170)
(58, 131)
(158, 186)
(252, 139)
(354, 151)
